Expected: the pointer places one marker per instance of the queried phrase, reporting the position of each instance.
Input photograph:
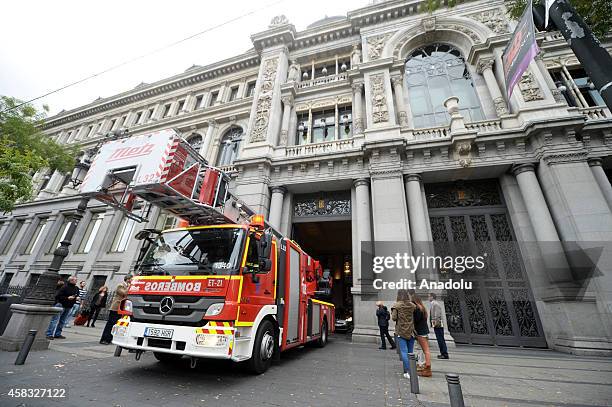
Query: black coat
(383, 316)
(67, 291)
(95, 300)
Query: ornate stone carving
(429, 24)
(287, 100)
(279, 20)
(562, 158)
(357, 125)
(294, 72)
(264, 102)
(484, 64)
(380, 110)
(558, 96)
(376, 45)
(465, 30)
(355, 56)
(397, 80)
(529, 88)
(403, 118)
(463, 153)
(493, 19)
(283, 138)
(500, 106)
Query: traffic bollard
(454, 390)
(118, 351)
(25, 348)
(414, 377)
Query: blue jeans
(73, 311)
(406, 346)
(441, 342)
(58, 321)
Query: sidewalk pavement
(341, 374)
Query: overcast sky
(47, 44)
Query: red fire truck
(226, 286)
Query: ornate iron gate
(499, 310)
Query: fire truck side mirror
(264, 249)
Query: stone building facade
(387, 124)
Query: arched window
(195, 140)
(230, 144)
(434, 73)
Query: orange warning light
(257, 221)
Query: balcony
(595, 113)
(323, 81)
(322, 148)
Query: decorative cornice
(361, 182)
(562, 158)
(413, 177)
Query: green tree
(596, 13)
(24, 149)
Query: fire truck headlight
(211, 340)
(214, 309)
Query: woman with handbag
(97, 303)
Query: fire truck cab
(228, 286)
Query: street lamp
(43, 292)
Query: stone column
(485, 68)
(542, 223)
(416, 212)
(276, 206)
(363, 223)
(357, 108)
(402, 113)
(284, 134)
(602, 179)
(208, 137)
(549, 81)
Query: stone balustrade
(323, 81)
(228, 169)
(430, 133)
(595, 113)
(321, 148)
(485, 126)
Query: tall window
(230, 144)
(91, 232)
(61, 234)
(250, 89)
(36, 236)
(576, 87)
(123, 236)
(323, 125)
(181, 106)
(6, 280)
(333, 123)
(166, 110)
(213, 98)
(233, 93)
(138, 117)
(434, 73)
(12, 237)
(198, 103)
(195, 141)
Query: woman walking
(422, 333)
(402, 312)
(97, 303)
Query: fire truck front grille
(186, 310)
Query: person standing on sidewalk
(78, 305)
(65, 298)
(120, 295)
(435, 318)
(422, 333)
(97, 303)
(402, 312)
(383, 316)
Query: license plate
(158, 333)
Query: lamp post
(43, 292)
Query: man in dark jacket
(65, 298)
(383, 316)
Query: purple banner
(521, 50)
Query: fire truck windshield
(195, 252)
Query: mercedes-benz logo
(165, 305)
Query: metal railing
(323, 81)
(320, 148)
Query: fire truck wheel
(167, 357)
(263, 349)
(323, 339)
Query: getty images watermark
(407, 263)
(466, 265)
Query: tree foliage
(597, 14)
(24, 149)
